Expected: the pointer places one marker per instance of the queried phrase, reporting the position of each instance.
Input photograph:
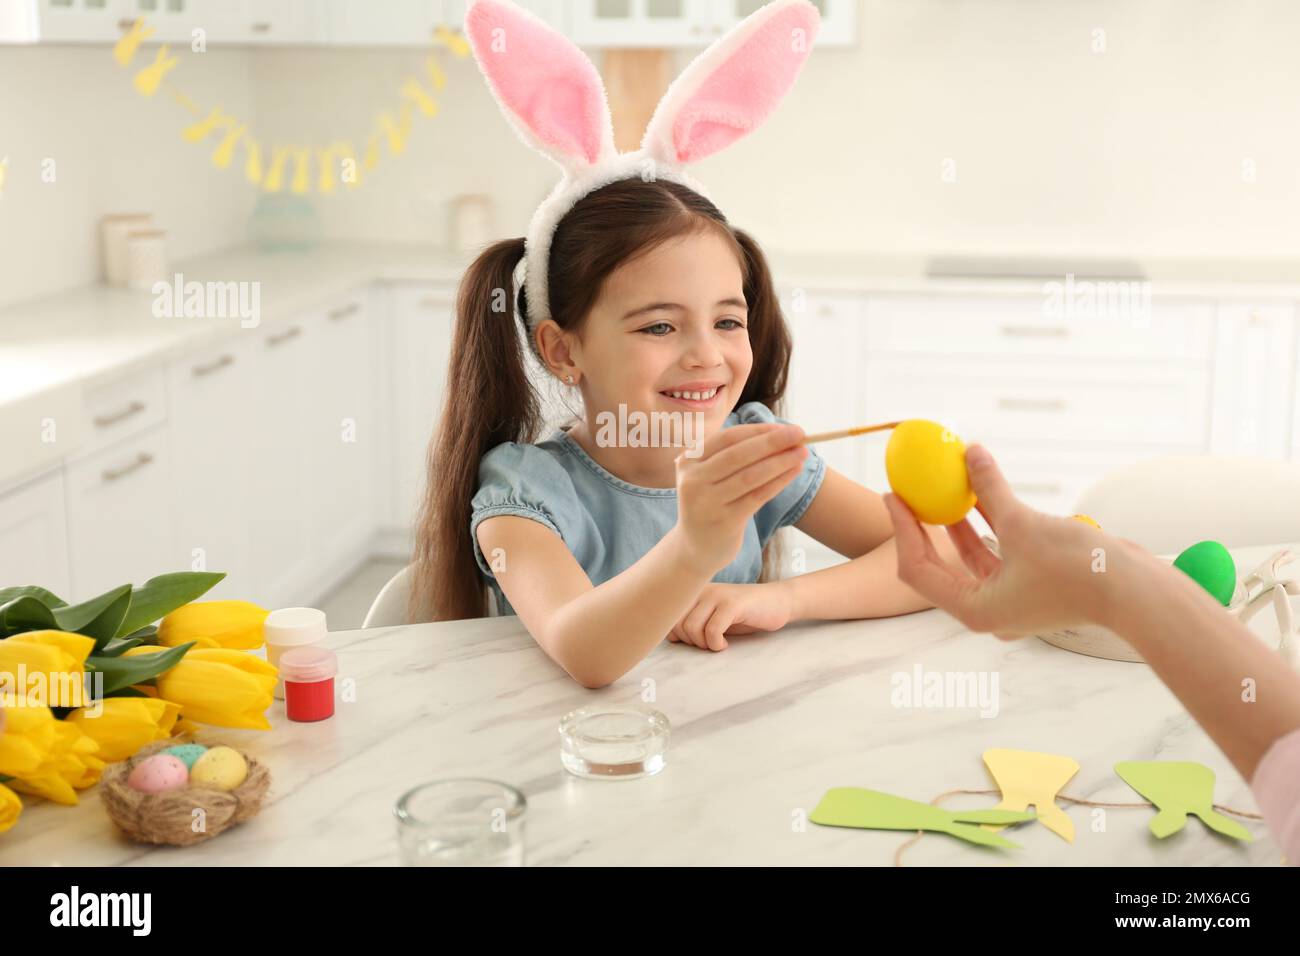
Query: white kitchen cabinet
(1254, 380)
(174, 20)
(212, 416)
(838, 19)
(640, 23)
(283, 391)
(1153, 404)
(825, 388)
(118, 409)
(423, 319)
(119, 519)
(34, 536)
(402, 23)
(1025, 326)
(66, 21)
(392, 23)
(283, 22)
(342, 434)
(687, 23)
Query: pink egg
(158, 774)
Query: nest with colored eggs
(184, 815)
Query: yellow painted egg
(221, 768)
(926, 466)
(1086, 520)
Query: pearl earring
(569, 379)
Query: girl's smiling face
(668, 333)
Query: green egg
(187, 753)
(1209, 564)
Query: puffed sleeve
(1276, 785)
(788, 506)
(521, 479)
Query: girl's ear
(553, 347)
(734, 85)
(546, 87)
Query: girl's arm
(597, 634)
(853, 520)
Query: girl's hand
(1053, 572)
(733, 609)
(740, 469)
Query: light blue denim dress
(607, 523)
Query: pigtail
(769, 340)
(489, 400)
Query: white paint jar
(290, 627)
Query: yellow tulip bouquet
(89, 684)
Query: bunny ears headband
(554, 98)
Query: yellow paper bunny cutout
(150, 78)
(124, 49)
(1027, 778)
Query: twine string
(898, 854)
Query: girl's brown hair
(489, 397)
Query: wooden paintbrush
(848, 432)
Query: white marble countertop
(759, 733)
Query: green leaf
(165, 593)
(25, 613)
(126, 692)
(120, 672)
(117, 645)
(47, 598)
(147, 635)
(4, 779)
(100, 617)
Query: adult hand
(1053, 572)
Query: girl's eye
(663, 329)
(735, 323)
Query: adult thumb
(995, 496)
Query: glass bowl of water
(621, 742)
(467, 822)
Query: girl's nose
(702, 352)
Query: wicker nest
(168, 817)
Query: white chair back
(390, 605)
(1168, 504)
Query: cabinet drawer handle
(344, 311)
(103, 421)
(261, 27)
(1032, 404)
(285, 336)
(214, 365)
(112, 474)
(1042, 331)
(1042, 488)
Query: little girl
(643, 300)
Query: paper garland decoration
(873, 810)
(334, 162)
(1027, 778)
(1178, 789)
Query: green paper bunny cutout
(873, 810)
(1178, 789)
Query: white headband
(554, 99)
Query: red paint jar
(308, 674)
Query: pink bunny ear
(548, 89)
(734, 85)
